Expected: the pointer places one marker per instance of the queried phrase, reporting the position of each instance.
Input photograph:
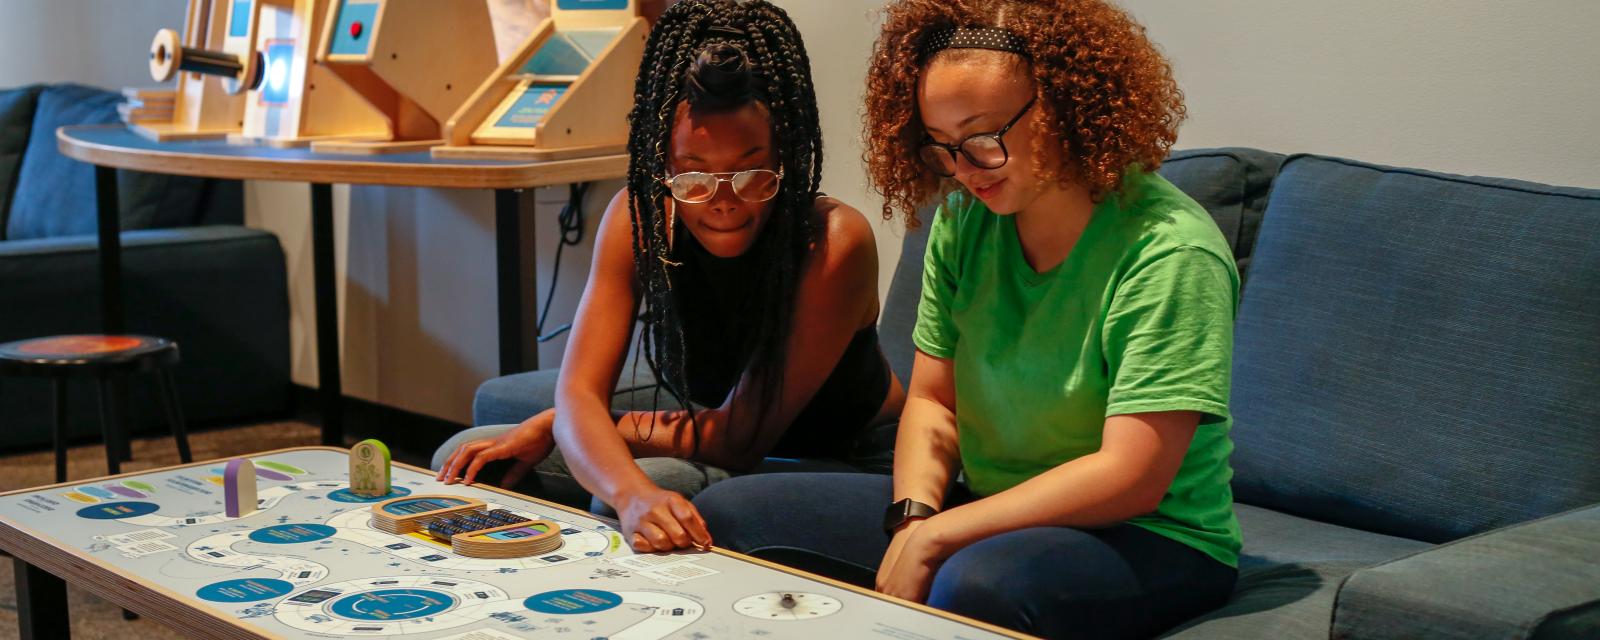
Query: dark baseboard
(411, 437)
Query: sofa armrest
(1538, 579)
(219, 291)
(519, 396)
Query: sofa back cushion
(55, 195)
(1232, 184)
(16, 120)
(1419, 353)
(905, 293)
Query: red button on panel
(355, 29)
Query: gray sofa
(191, 272)
(1416, 397)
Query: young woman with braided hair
(1074, 338)
(758, 294)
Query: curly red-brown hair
(1106, 95)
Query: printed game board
(309, 564)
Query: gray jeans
(553, 480)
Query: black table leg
(111, 425)
(58, 393)
(110, 223)
(113, 319)
(330, 387)
(41, 603)
(514, 355)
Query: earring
(672, 223)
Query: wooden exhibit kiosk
(415, 61)
(267, 56)
(565, 94)
(202, 107)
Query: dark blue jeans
(1057, 582)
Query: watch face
(903, 510)
(894, 515)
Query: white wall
(96, 42)
(416, 286)
(839, 36)
(1505, 88)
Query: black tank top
(715, 301)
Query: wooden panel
(461, 125)
(595, 111)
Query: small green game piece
(369, 469)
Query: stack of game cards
(499, 534)
(147, 105)
(410, 514)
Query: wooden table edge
(106, 584)
(182, 614)
(356, 170)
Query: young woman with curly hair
(1074, 338)
(759, 294)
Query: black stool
(105, 358)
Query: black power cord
(570, 223)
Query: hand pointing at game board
(660, 520)
(529, 443)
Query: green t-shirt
(1138, 318)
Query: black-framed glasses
(751, 185)
(983, 150)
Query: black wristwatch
(901, 511)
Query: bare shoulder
(845, 240)
(617, 214)
(614, 238)
(843, 266)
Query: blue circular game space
(118, 510)
(247, 590)
(393, 604)
(572, 601)
(292, 533)
(344, 495)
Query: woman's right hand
(657, 520)
(530, 443)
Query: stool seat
(110, 359)
(87, 355)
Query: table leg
(330, 387)
(41, 603)
(514, 355)
(105, 187)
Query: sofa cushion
(219, 291)
(900, 306)
(16, 120)
(55, 195)
(1531, 580)
(1419, 353)
(1232, 184)
(1289, 574)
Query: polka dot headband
(974, 38)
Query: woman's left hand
(911, 574)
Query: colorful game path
(309, 564)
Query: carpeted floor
(91, 616)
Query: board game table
(308, 563)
